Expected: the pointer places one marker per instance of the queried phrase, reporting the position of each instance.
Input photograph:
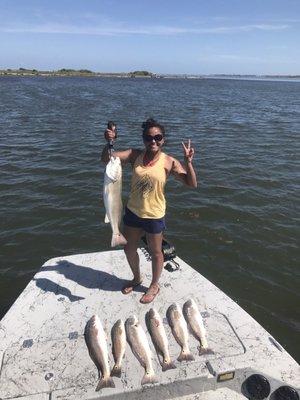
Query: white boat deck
(43, 354)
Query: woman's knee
(130, 248)
(156, 254)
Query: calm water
(240, 228)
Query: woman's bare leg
(154, 241)
(133, 236)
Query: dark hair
(151, 123)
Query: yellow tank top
(147, 199)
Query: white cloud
(157, 30)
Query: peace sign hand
(188, 151)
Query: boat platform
(43, 355)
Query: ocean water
(239, 228)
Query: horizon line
(149, 73)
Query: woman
(146, 207)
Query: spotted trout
(140, 347)
(95, 339)
(118, 346)
(180, 331)
(195, 321)
(159, 337)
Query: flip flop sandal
(149, 296)
(130, 287)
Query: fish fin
(204, 350)
(185, 356)
(106, 219)
(105, 383)
(118, 240)
(149, 378)
(116, 371)
(168, 365)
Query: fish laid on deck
(180, 331)
(118, 335)
(159, 338)
(195, 321)
(112, 195)
(95, 339)
(140, 347)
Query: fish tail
(105, 383)
(149, 377)
(116, 371)
(118, 240)
(204, 350)
(185, 355)
(168, 365)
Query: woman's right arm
(125, 155)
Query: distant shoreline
(136, 74)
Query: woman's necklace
(149, 162)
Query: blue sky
(187, 36)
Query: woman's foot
(129, 287)
(150, 295)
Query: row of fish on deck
(132, 330)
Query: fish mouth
(132, 320)
(151, 313)
(173, 307)
(94, 319)
(118, 327)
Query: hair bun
(151, 123)
(148, 123)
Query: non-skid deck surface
(42, 345)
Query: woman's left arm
(186, 174)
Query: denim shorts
(149, 225)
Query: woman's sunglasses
(149, 138)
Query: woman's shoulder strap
(135, 154)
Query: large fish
(112, 195)
(118, 346)
(180, 331)
(159, 338)
(140, 347)
(193, 317)
(95, 339)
